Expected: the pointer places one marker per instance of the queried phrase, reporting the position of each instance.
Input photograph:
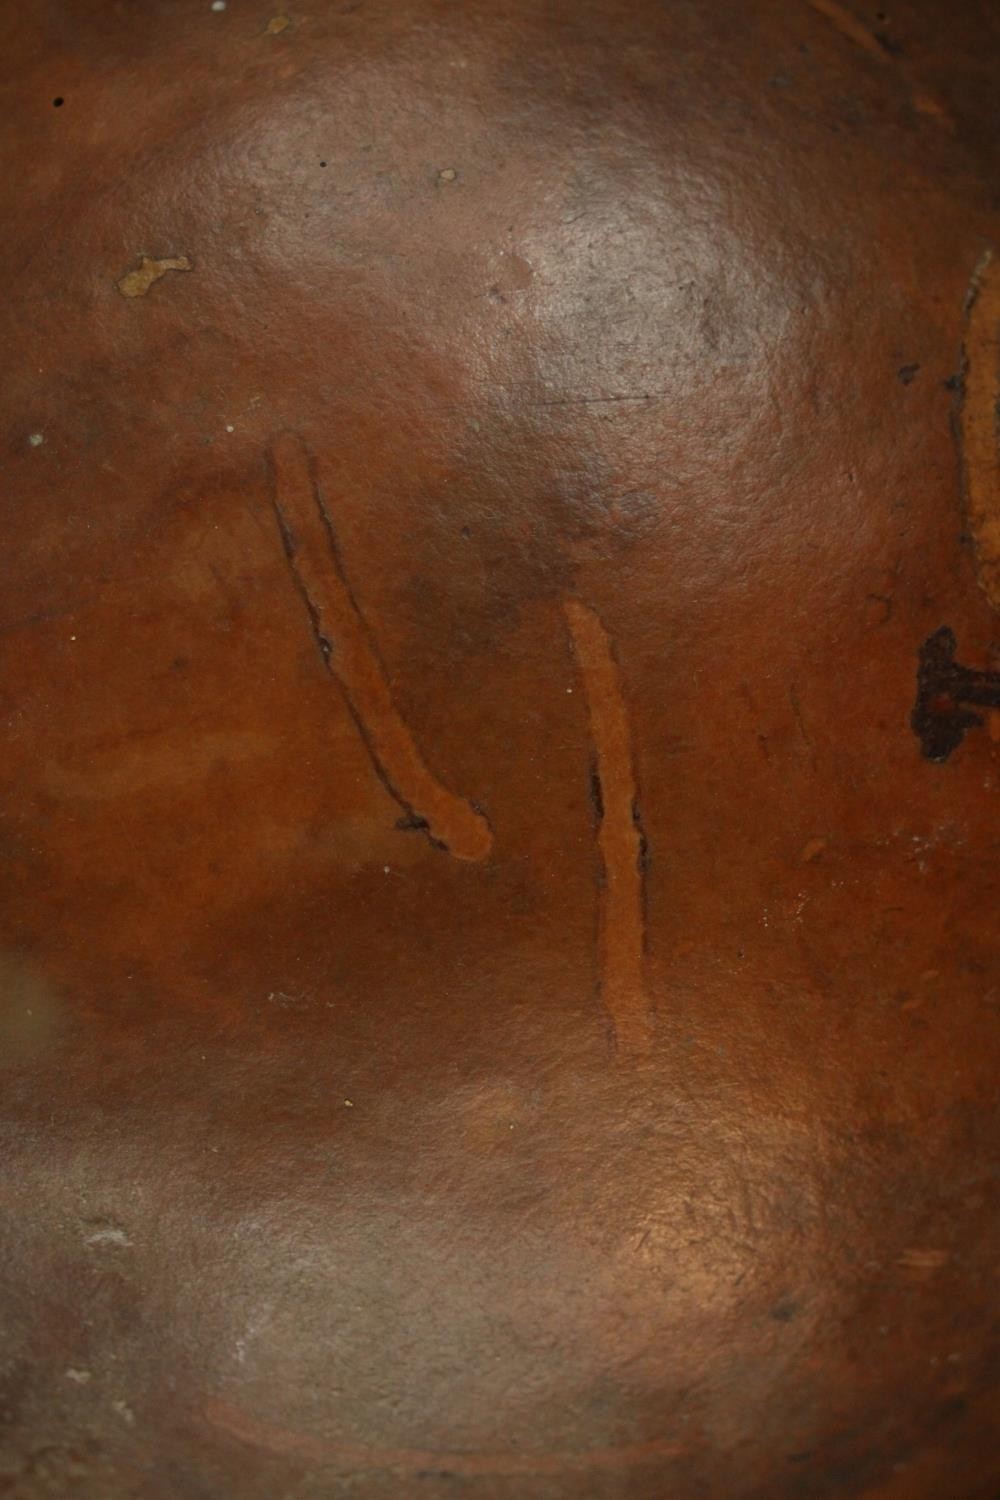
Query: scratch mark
(596, 400)
(848, 25)
(620, 838)
(793, 699)
(310, 544)
(138, 282)
(879, 46)
(257, 1434)
(923, 1261)
(979, 422)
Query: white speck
(348, 1103)
(72, 637)
(448, 175)
(78, 1377)
(385, 869)
(124, 1411)
(230, 428)
(218, 4)
(36, 440)
(107, 1237)
(569, 690)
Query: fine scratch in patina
(880, 46)
(269, 1438)
(979, 423)
(620, 837)
(350, 656)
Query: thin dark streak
(979, 421)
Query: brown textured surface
(622, 342)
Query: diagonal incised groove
(309, 541)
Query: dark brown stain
(948, 695)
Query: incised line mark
(342, 637)
(620, 838)
(979, 421)
(948, 695)
(878, 45)
(248, 1429)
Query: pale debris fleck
(78, 1377)
(36, 439)
(107, 1236)
(277, 24)
(138, 282)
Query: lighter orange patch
(622, 920)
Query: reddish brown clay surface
(496, 1001)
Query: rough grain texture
(318, 1175)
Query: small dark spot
(643, 856)
(881, 611)
(785, 1310)
(180, 663)
(466, 531)
(58, 102)
(740, 953)
(906, 373)
(893, 48)
(322, 163)
(954, 383)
